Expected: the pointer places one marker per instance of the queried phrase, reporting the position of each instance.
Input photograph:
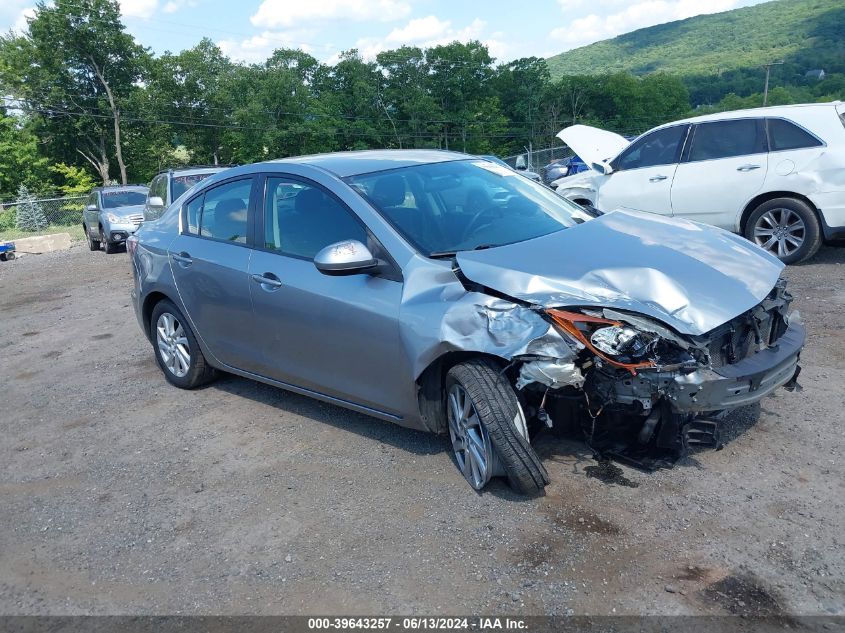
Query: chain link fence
(26, 216)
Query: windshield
(123, 198)
(443, 208)
(180, 184)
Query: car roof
(345, 164)
(118, 187)
(196, 169)
(771, 111)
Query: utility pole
(768, 68)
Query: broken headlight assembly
(619, 344)
(620, 341)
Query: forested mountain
(721, 55)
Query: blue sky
(249, 30)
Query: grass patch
(75, 230)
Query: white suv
(775, 175)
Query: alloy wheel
(470, 441)
(780, 231)
(173, 345)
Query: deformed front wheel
(488, 430)
(177, 352)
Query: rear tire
(93, 245)
(785, 227)
(173, 341)
(497, 408)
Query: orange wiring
(567, 320)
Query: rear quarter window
(784, 135)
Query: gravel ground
(123, 495)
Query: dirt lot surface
(121, 494)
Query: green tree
(20, 162)
(76, 181)
(76, 65)
(460, 81)
(30, 214)
(190, 91)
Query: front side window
(784, 135)
(726, 139)
(443, 208)
(221, 213)
(301, 219)
(661, 147)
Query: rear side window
(725, 139)
(221, 213)
(785, 135)
(661, 147)
(302, 219)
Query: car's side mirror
(155, 201)
(603, 168)
(91, 207)
(349, 257)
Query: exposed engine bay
(641, 393)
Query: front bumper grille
(751, 332)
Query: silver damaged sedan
(443, 292)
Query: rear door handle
(268, 281)
(183, 259)
(657, 178)
(748, 167)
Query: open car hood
(690, 276)
(592, 144)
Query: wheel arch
(771, 195)
(150, 302)
(431, 381)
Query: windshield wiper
(445, 254)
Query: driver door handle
(267, 279)
(657, 178)
(183, 259)
(748, 167)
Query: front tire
(110, 247)
(786, 227)
(177, 352)
(93, 245)
(488, 429)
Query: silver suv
(168, 185)
(112, 214)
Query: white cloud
(22, 22)
(138, 8)
(173, 6)
(594, 27)
(425, 33)
(259, 47)
(286, 13)
(419, 29)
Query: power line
(229, 126)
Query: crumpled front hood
(690, 276)
(592, 144)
